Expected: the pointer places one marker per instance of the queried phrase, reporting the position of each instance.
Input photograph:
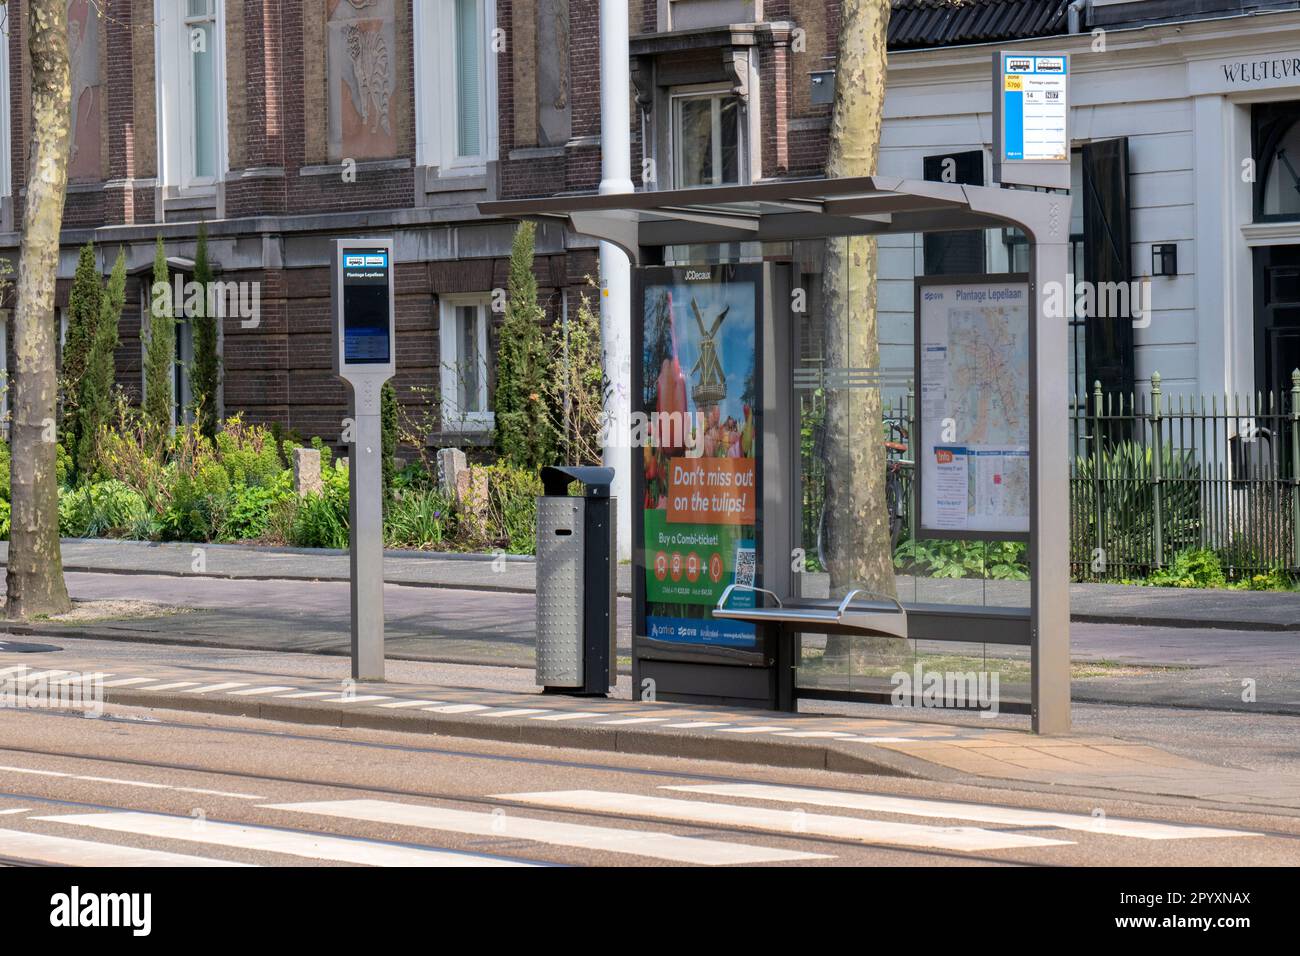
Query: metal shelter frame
(643, 223)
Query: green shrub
(1193, 568)
(997, 560)
(103, 509)
(251, 508)
(199, 503)
(512, 508)
(321, 520)
(525, 436)
(1126, 480)
(417, 519)
(4, 519)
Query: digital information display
(1035, 113)
(366, 307)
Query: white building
(1184, 123)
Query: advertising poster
(973, 370)
(699, 435)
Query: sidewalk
(1090, 603)
(442, 700)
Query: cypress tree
(388, 436)
(84, 304)
(95, 389)
(525, 436)
(160, 352)
(205, 372)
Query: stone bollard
(451, 467)
(306, 472)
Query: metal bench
(884, 616)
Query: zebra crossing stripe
(954, 810)
(312, 846)
(509, 826)
(130, 783)
(64, 851)
(213, 688)
(397, 704)
(458, 708)
(255, 691)
(961, 839)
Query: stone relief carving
(369, 82)
(83, 55)
(362, 79)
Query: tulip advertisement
(699, 433)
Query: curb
(792, 755)
(1077, 617)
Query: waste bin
(577, 573)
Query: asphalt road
(152, 788)
(1178, 667)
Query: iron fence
(1151, 476)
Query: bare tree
(858, 549)
(35, 569)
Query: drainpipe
(615, 270)
(1074, 15)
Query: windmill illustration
(711, 382)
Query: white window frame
(434, 30)
(715, 95)
(453, 419)
(174, 90)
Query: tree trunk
(857, 545)
(35, 570)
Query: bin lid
(595, 480)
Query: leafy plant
(95, 384)
(205, 370)
(417, 519)
(160, 350)
(576, 391)
(998, 560)
(321, 520)
(1123, 476)
(103, 509)
(83, 313)
(525, 437)
(1192, 568)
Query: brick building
(285, 124)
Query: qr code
(745, 567)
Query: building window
(455, 85)
(707, 139)
(182, 390)
(954, 253)
(191, 92)
(1275, 138)
(464, 342)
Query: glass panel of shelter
(849, 393)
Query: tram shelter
(718, 608)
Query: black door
(1106, 235)
(1277, 318)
